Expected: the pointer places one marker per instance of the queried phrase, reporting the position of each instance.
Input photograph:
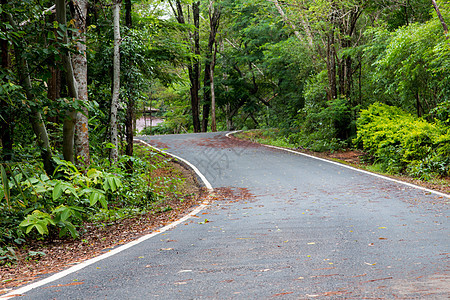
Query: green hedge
(402, 143)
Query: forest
(322, 75)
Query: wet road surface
(291, 227)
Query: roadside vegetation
(392, 140)
(44, 216)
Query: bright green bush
(400, 142)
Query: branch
(52, 9)
(440, 17)
(286, 20)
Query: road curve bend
(305, 229)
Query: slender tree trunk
(193, 67)
(213, 95)
(418, 105)
(206, 95)
(441, 18)
(70, 118)
(53, 85)
(195, 83)
(114, 139)
(36, 120)
(331, 67)
(214, 18)
(128, 21)
(229, 117)
(79, 61)
(131, 102)
(6, 113)
(54, 82)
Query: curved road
(306, 229)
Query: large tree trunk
(70, 118)
(114, 139)
(79, 61)
(36, 120)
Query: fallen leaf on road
(369, 264)
(328, 275)
(68, 284)
(166, 249)
(334, 293)
(312, 243)
(377, 279)
(281, 294)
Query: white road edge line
(84, 264)
(352, 168)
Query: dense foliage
(400, 142)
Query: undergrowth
(400, 143)
(34, 205)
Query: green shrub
(38, 206)
(400, 142)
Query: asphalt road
(305, 229)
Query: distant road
(147, 121)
